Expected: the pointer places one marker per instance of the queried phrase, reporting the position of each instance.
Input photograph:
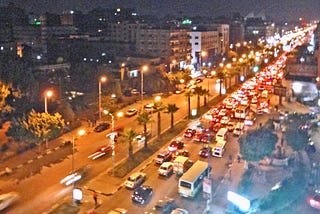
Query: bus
(241, 112)
(191, 182)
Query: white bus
(191, 182)
(241, 112)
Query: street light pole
(48, 94)
(144, 69)
(102, 79)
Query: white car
(166, 169)
(244, 101)
(225, 120)
(131, 112)
(139, 139)
(223, 112)
(134, 180)
(7, 199)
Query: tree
(189, 94)
(128, 135)
(205, 93)
(143, 119)
(257, 144)
(40, 127)
(220, 76)
(198, 91)
(158, 107)
(172, 108)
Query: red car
(103, 150)
(314, 201)
(205, 152)
(175, 145)
(189, 133)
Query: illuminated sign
(187, 22)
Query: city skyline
(279, 11)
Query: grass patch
(65, 208)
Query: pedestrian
(95, 198)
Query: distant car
(8, 199)
(249, 119)
(199, 80)
(131, 112)
(230, 126)
(205, 152)
(102, 127)
(175, 145)
(135, 180)
(179, 211)
(189, 133)
(179, 91)
(102, 151)
(166, 169)
(216, 127)
(163, 156)
(223, 112)
(141, 194)
(135, 92)
(225, 120)
(75, 176)
(183, 152)
(314, 200)
(149, 108)
(165, 205)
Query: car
(223, 112)
(8, 199)
(142, 194)
(166, 169)
(249, 119)
(314, 200)
(225, 120)
(230, 126)
(179, 91)
(244, 101)
(139, 139)
(179, 211)
(165, 205)
(197, 137)
(118, 211)
(189, 133)
(102, 151)
(199, 80)
(254, 100)
(216, 127)
(75, 176)
(163, 156)
(205, 152)
(183, 152)
(102, 127)
(135, 180)
(175, 145)
(131, 112)
(134, 91)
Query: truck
(181, 165)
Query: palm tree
(220, 76)
(158, 107)
(198, 91)
(128, 135)
(205, 93)
(189, 94)
(143, 119)
(172, 108)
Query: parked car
(163, 156)
(139, 139)
(166, 169)
(131, 112)
(102, 151)
(135, 180)
(141, 194)
(175, 145)
(102, 127)
(8, 199)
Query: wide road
(39, 192)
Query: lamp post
(112, 135)
(47, 94)
(101, 80)
(80, 133)
(158, 107)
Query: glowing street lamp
(47, 95)
(144, 69)
(101, 80)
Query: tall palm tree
(128, 135)
(143, 119)
(220, 76)
(205, 94)
(172, 108)
(158, 107)
(198, 91)
(189, 94)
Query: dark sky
(278, 10)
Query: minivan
(238, 129)
(222, 134)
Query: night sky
(278, 10)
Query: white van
(222, 134)
(219, 148)
(238, 129)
